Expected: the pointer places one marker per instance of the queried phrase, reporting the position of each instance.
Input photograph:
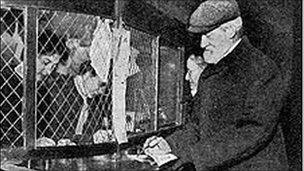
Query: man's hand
(156, 146)
(159, 150)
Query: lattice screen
(65, 38)
(73, 102)
(12, 45)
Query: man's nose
(204, 41)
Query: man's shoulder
(262, 62)
(258, 64)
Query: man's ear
(231, 28)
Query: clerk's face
(193, 73)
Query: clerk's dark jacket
(235, 116)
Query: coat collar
(235, 57)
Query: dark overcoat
(235, 116)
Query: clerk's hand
(156, 146)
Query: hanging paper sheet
(100, 50)
(121, 52)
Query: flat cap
(211, 14)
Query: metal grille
(64, 38)
(12, 45)
(141, 84)
(63, 59)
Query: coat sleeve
(250, 134)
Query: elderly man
(235, 108)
